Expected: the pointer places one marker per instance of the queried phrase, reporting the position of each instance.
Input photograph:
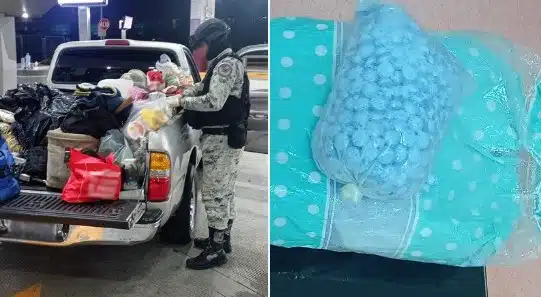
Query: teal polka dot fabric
(470, 204)
(301, 70)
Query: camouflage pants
(220, 171)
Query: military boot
(213, 255)
(201, 243)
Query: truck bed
(40, 204)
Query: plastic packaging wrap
(478, 205)
(6, 116)
(115, 143)
(170, 71)
(137, 94)
(155, 81)
(173, 75)
(146, 116)
(122, 84)
(393, 96)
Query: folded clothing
(93, 111)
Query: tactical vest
(234, 111)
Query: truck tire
(180, 228)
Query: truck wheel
(180, 228)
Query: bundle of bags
(119, 162)
(166, 78)
(105, 124)
(426, 149)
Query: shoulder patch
(225, 69)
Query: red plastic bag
(92, 179)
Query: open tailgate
(47, 207)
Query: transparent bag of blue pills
(394, 93)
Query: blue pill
(370, 62)
(376, 116)
(370, 76)
(332, 129)
(370, 89)
(370, 153)
(395, 104)
(408, 72)
(400, 125)
(341, 142)
(353, 156)
(390, 173)
(385, 69)
(409, 138)
(400, 180)
(378, 103)
(397, 79)
(374, 128)
(416, 123)
(346, 117)
(401, 154)
(382, 50)
(423, 140)
(392, 137)
(367, 50)
(360, 138)
(379, 143)
(410, 108)
(415, 157)
(386, 157)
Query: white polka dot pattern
(301, 67)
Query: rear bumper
(142, 232)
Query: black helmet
(209, 31)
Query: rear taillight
(159, 180)
(121, 42)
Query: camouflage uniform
(220, 162)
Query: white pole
(84, 23)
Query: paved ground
(152, 269)
(258, 142)
(258, 137)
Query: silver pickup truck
(166, 204)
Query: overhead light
(25, 15)
(75, 3)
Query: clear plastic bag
(115, 143)
(7, 116)
(393, 96)
(173, 75)
(148, 115)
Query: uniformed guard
(219, 106)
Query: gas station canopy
(34, 8)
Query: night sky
(164, 20)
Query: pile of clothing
(27, 114)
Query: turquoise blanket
(472, 203)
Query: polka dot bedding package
(390, 140)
